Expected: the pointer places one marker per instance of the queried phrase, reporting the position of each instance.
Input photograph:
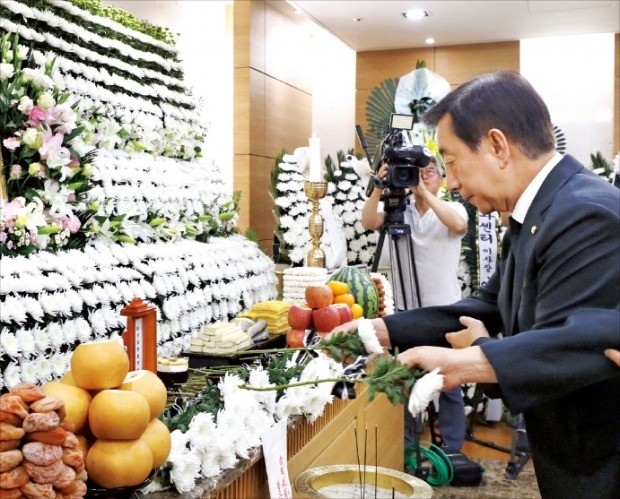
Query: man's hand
(464, 338)
(421, 190)
(378, 324)
(345, 327)
(468, 365)
(613, 355)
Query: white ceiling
(455, 22)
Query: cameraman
(437, 227)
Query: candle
(315, 160)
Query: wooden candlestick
(141, 335)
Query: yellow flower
(431, 145)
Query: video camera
(403, 160)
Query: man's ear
(499, 146)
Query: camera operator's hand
(421, 190)
(464, 338)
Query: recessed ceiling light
(358, 19)
(415, 14)
(430, 41)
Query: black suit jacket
(567, 257)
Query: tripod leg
(375, 261)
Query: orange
(338, 287)
(347, 298)
(357, 310)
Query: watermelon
(361, 287)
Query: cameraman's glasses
(429, 172)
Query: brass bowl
(310, 482)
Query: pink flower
(42, 173)
(11, 210)
(11, 143)
(74, 163)
(52, 145)
(71, 222)
(71, 198)
(16, 172)
(36, 115)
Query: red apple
(319, 296)
(325, 319)
(346, 314)
(295, 338)
(300, 317)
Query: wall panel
(617, 95)
(459, 63)
(455, 63)
(273, 104)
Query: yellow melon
(119, 463)
(76, 401)
(67, 379)
(118, 415)
(157, 437)
(99, 365)
(83, 445)
(150, 386)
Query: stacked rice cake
(296, 279)
(386, 296)
(221, 337)
(273, 312)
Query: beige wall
(272, 105)
(455, 63)
(617, 95)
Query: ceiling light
(430, 41)
(358, 19)
(415, 14)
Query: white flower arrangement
(86, 36)
(32, 329)
(349, 198)
(292, 211)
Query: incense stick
(376, 463)
(365, 447)
(357, 452)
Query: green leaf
(69, 137)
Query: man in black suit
(497, 141)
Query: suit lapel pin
(533, 229)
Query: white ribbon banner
(487, 247)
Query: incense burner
(345, 480)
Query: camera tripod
(402, 260)
(404, 282)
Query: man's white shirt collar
(525, 200)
